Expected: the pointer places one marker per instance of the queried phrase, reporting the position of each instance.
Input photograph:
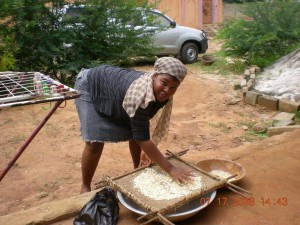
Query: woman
(116, 104)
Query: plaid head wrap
(170, 66)
(140, 93)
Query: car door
(168, 37)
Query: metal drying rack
(27, 88)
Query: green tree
(7, 62)
(41, 37)
(269, 31)
(29, 34)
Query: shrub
(269, 31)
(7, 62)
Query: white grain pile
(282, 78)
(160, 186)
(220, 173)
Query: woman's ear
(154, 76)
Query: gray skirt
(95, 127)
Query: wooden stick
(126, 174)
(149, 221)
(232, 176)
(230, 188)
(100, 184)
(164, 220)
(123, 175)
(170, 154)
(148, 214)
(182, 152)
(239, 188)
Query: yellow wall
(192, 13)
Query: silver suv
(182, 42)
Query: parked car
(182, 42)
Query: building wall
(232, 11)
(192, 13)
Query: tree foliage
(40, 37)
(29, 34)
(269, 31)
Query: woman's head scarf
(171, 66)
(140, 93)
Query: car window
(159, 20)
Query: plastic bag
(102, 209)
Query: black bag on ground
(102, 209)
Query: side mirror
(173, 24)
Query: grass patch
(256, 131)
(252, 133)
(219, 66)
(222, 126)
(223, 65)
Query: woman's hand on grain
(180, 175)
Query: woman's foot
(85, 189)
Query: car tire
(189, 53)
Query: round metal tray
(182, 213)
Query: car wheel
(189, 53)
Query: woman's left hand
(180, 175)
(144, 160)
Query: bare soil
(208, 115)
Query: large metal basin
(182, 213)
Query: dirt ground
(208, 115)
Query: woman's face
(164, 86)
